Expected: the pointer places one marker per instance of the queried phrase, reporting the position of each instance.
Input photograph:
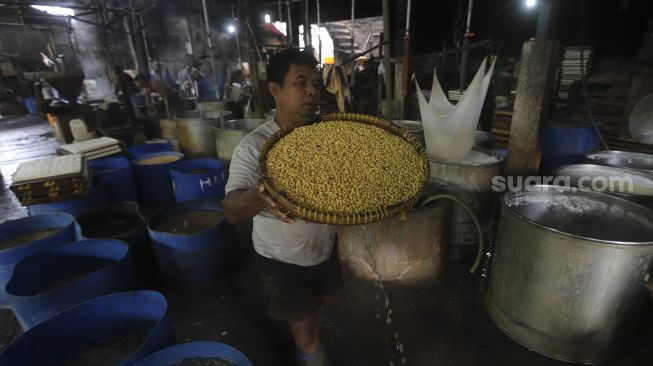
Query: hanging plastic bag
(448, 128)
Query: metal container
(415, 127)
(622, 159)
(168, 129)
(568, 270)
(228, 134)
(625, 183)
(102, 318)
(483, 140)
(410, 250)
(195, 137)
(471, 181)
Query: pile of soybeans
(345, 168)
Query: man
(168, 95)
(298, 260)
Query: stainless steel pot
(228, 134)
(622, 159)
(195, 137)
(568, 270)
(629, 184)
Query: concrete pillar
(540, 59)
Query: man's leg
(306, 335)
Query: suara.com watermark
(623, 184)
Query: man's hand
(273, 206)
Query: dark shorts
(293, 292)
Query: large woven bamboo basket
(307, 214)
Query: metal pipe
(307, 25)
(465, 55)
(353, 67)
(319, 33)
(363, 53)
(210, 44)
(386, 59)
(289, 25)
(237, 34)
(469, 16)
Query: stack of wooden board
(51, 179)
(93, 148)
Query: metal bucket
(195, 134)
(198, 178)
(415, 127)
(410, 250)
(568, 270)
(36, 226)
(153, 181)
(193, 251)
(55, 279)
(168, 129)
(471, 181)
(100, 319)
(121, 221)
(228, 134)
(622, 159)
(625, 183)
(195, 350)
(115, 177)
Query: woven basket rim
(296, 210)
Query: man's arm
(243, 204)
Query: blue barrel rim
(98, 210)
(187, 165)
(178, 208)
(149, 297)
(195, 349)
(154, 155)
(116, 160)
(135, 151)
(27, 261)
(22, 229)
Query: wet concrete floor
(438, 323)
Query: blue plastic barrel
(137, 151)
(193, 243)
(198, 178)
(30, 104)
(15, 229)
(153, 181)
(122, 221)
(55, 279)
(566, 143)
(116, 315)
(195, 351)
(114, 176)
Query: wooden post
(386, 59)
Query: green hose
(481, 246)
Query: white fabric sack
(449, 129)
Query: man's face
(300, 93)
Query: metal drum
(625, 183)
(471, 181)
(407, 251)
(195, 137)
(622, 159)
(568, 274)
(228, 134)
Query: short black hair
(280, 63)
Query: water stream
(397, 356)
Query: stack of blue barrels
(79, 276)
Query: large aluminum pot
(622, 159)
(228, 134)
(625, 183)
(568, 274)
(195, 137)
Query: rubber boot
(317, 358)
